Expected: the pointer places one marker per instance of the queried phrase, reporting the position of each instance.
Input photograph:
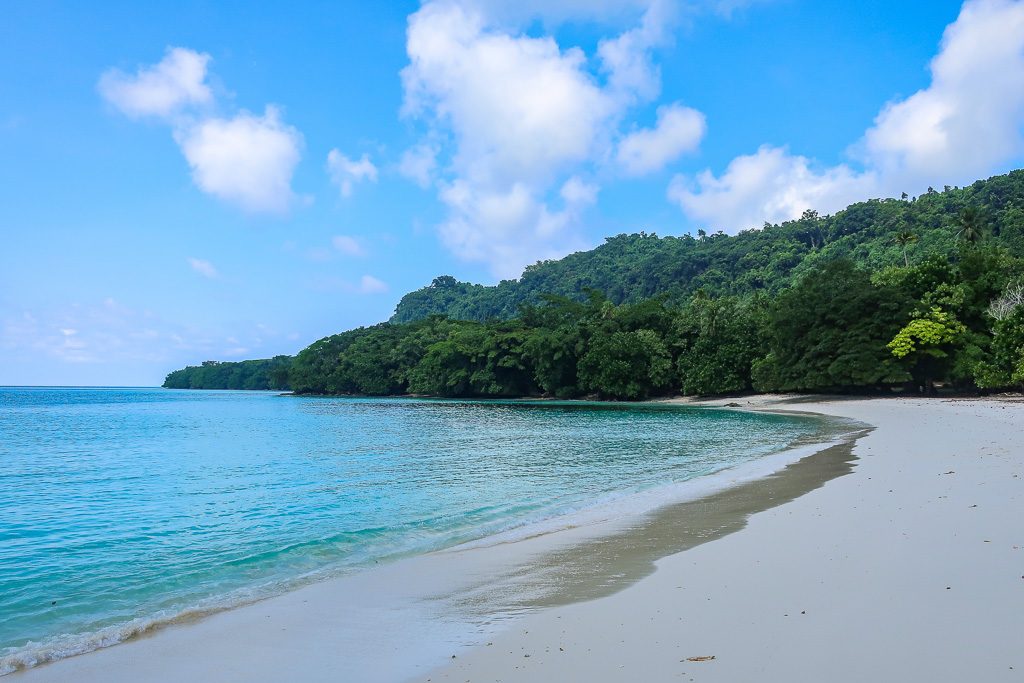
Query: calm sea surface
(121, 508)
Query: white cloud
(419, 164)
(967, 123)
(524, 117)
(971, 115)
(679, 130)
(371, 285)
(347, 245)
(520, 229)
(627, 58)
(163, 89)
(345, 172)
(518, 105)
(771, 185)
(204, 268)
(247, 160)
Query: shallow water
(120, 508)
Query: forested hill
(908, 294)
(631, 268)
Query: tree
(904, 239)
(1004, 306)
(626, 365)
(829, 332)
(716, 343)
(971, 224)
(928, 338)
(1005, 365)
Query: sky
(223, 180)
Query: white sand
(900, 572)
(886, 574)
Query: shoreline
(911, 568)
(506, 593)
(521, 556)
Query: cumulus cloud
(519, 227)
(247, 160)
(771, 185)
(679, 130)
(177, 81)
(347, 245)
(204, 268)
(524, 116)
(971, 116)
(345, 172)
(518, 105)
(965, 124)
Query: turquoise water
(125, 508)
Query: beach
(909, 569)
(895, 554)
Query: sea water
(122, 509)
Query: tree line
(270, 373)
(909, 294)
(840, 327)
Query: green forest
(271, 373)
(914, 294)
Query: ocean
(124, 509)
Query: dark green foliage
(1005, 367)
(886, 294)
(271, 373)
(830, 332)
(717, 342)
(631, 268)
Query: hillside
(909, 294)
(631, 268)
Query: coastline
(506, 593)
(911, 568)
(429, 591)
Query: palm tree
(971, 225)
(905, 238)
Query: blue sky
(194, 180)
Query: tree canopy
(885, 294)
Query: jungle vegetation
(912, 293)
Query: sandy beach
(898, 556)
(910, 569)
